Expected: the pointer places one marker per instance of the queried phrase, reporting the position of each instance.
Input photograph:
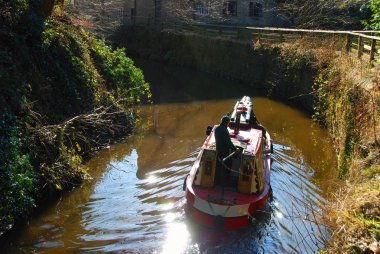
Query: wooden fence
(364, 44)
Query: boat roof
(249, 139)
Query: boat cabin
(247, 172)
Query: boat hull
(239, 216)
(230, 210)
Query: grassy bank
(340, 92)
(349, 105)
(64, 94)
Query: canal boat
(230, 203)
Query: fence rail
(364, 44)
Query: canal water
(134, 202)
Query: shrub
(75, 74)
(11, 11)
(58, 104)
(374, 22)
(17, 178)
(122, 77)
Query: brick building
(237, 12)
(240, 12)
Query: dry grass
(354, 211)
(323, 49)
(355, 216)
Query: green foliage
(293, 64)
(66, 73)
(346, 153)
(324, 108)
(88, 68)
(122, 77)
(371, 171)
(374, 22)
(336, 107)
(12, 11)
(67, 170)
(75, 71)
(17, 178)
(371, 221)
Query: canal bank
(342, 94)
(64, 94)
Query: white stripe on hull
(223, 210)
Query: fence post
(373, 49)
(347, 43)
(360, 47)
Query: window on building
(255, 9)
(201, 9)
(230, 8)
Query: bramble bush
(17, 178)
(94, 68)
(122, 77)
(74, 72)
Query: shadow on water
(134, 202)
(175, 84)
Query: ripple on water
(135, 202)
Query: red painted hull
(232, 207)
(218, 222)
(248, 207)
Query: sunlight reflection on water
(176, 239)
(134, 202)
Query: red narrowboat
(230, 203)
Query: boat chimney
(237, 122)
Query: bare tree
(320, 13)
(197, 10)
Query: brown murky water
(134, 202)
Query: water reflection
(177, 238)
(134, 202)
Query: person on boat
(224, 147)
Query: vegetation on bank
(373, 23)
(64, 94)
(324, 14)
(349, 105)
